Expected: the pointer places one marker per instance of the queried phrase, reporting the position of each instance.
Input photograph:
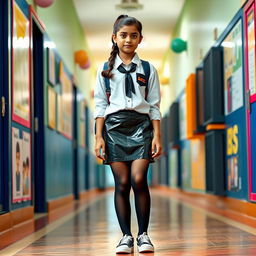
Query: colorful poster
(51, 108)
(20, 68)
(26, 167)
(251, 51)
(17, 157)
(66, 102)
(233, 69)
(183, 117)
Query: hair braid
(111, 61)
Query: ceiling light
(129, 5)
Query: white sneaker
(125, 244)
(144, 243)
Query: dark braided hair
(122, 20)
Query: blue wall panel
(58, 162)
(81, 169)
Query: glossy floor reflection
(175, 229)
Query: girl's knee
(123, 185)
(139, 182)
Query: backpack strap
(107, 83)
(146, 68)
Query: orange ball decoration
(81, 57)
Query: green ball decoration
(178, 45)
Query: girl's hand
(156, 146)
(100, 145)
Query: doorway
(38, 117)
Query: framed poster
(233, 69)
(20, 67)
(59, 113)
(51, 108)
(66, 84)
(51, 68)
(26, 166)
(17, 174)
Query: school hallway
(177, 227)
(184, 81)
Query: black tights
(131, 174)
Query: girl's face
(127, 39)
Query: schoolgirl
(127, 99)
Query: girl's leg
(122, 176)
(139, 170)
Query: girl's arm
(100, 100)
(156, 142)
(154, 99)
(100, 143)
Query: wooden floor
(176, 228)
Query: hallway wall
(195, 25)
(65, 30)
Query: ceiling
(158, 18)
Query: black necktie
(129, 86)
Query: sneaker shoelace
(144, 238)
(125, 240)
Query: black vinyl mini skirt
(128, 136)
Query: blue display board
(234, 108)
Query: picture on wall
(26, 167)
(233, 69)
(67, 92)
(17, 157)
(51, 67)
(51, 108)
(59, 114)
(20, 67)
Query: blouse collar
(135, 59)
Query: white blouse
(118, 99)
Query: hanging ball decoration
(44, 3)
(81, 57)
(86, 65)
(178, 45)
